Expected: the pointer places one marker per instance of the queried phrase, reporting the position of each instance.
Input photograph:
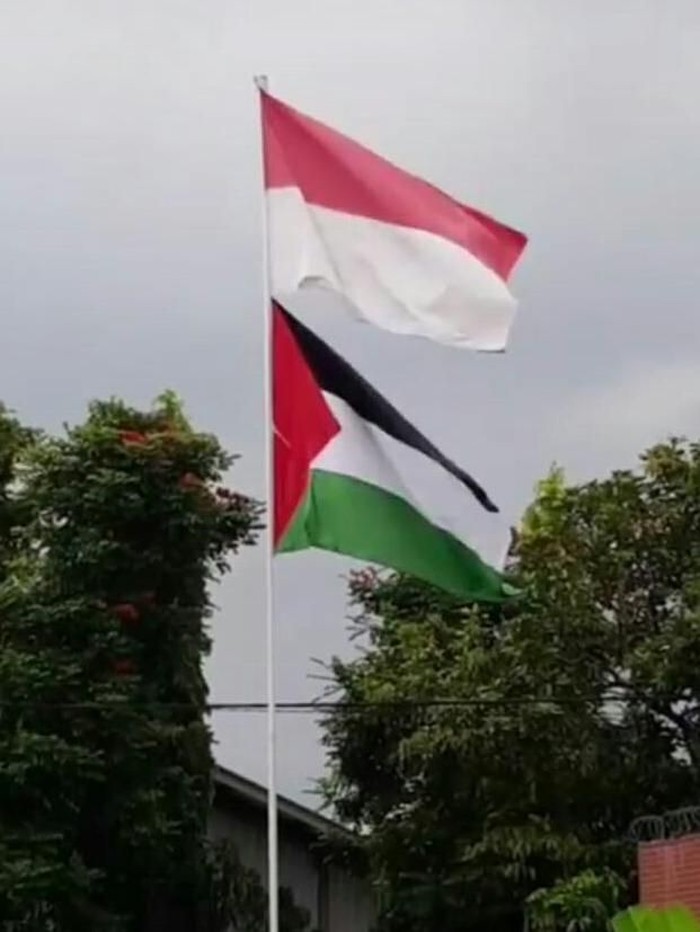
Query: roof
(255, 796)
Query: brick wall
(669, 873)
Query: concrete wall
(336, 901)
(669, 873)
(350, 904)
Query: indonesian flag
(336, 487)
(407, 257)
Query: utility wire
(316, 707)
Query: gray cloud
(129, 243)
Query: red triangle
(303, 424)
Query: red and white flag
(406, 256)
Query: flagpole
(261, 84)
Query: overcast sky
(130, 246)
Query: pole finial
(260, 81)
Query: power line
(320, 707)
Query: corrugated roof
(256, 795)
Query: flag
(337, 489)
(407, 257)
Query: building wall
(336, 901)
(350, 904)
(669, 873)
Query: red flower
(230, 499)
(126, 612)
(124, 667)
(189, 481)
(132, 438)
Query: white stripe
(401, 279)
(363, 452)
(356, 452)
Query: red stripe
(303, 423)
(333, 171)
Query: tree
(238, 898)
(564, 714)
(110, 537)
(584, 903)
(15, 440)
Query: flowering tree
(110, 537)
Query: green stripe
(360, 520)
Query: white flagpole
(272, 839)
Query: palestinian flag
(335, 486)
(404, 255)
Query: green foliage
(111, 535)
(238, 897)
(578, 705)
(584, 903)
(15, 440)
(669, 919)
